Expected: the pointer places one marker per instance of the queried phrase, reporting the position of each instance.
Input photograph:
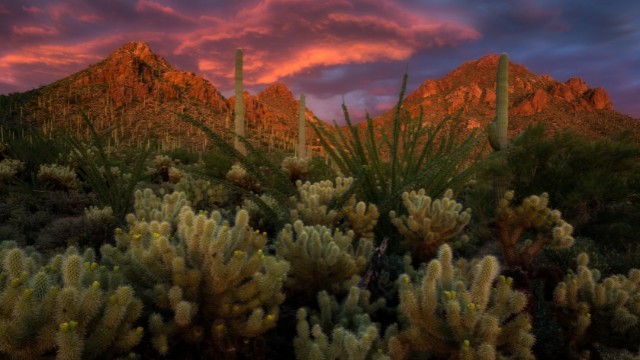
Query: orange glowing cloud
(315, 35)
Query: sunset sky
(329, 48)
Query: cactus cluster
(60, 177)
(321, 259)
(340, 330)
(71, 306)
(9, 168)
(313, 207)
(210, 282)
(430, 223)
(202, 194)
(604, 309)
(534, 215)
(462, 311)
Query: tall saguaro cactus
(302, 139)
(498, 128)
(239, 109)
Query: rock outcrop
(469, 92)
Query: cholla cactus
(213, 278)
(239, 176)
(61, 177)
(430, 223)
(149, 208)
(340, 331)
(9, 168)
(361, 218)
(165, 167)
(595, 309)
(312, 207)
(98, 217)
(297, 168)
(321, 259)
(201, 193)
(460, 311)
(72, 306)
(532, 214)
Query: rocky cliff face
(469, 92)
(272, 116)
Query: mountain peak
(469, 91)
(134, 53)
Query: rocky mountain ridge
(140, 94)
(468, 93)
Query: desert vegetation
(420, 241)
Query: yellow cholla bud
(238, 253)
(156, 235)
(87, 265)
(116, 268)
(218, 329)
(118, 231)
(139, 330)
(15, 282)
(136, 237)
(235, 310)
(466, 343)
(73, 325)
(27, 293)
(95, 285)
(64, 327)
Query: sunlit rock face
(468, 92)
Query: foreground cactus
(209, 282)
(71, 307)
(595, 310)
(457, 312)
(340, 331)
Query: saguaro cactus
(239, 108)
(302, 139)
(498, 128)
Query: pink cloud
(33, 9)
(315, 35)
(152, 6)
(34, 30)
(60, 10)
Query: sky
(354, 51)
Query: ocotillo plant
(302, 141)
(239, 109)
